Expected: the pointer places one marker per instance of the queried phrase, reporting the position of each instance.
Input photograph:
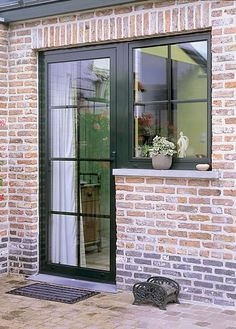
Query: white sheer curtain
(64, 236)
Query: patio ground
(104, 311)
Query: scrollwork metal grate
(157, 290)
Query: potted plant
(162, 152)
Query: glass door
(80, 229)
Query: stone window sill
(167, 173)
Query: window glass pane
(190, 122)
(150, 73)
(149, 121)
(189, 70)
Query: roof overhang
(44, 9)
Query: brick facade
(179, 228)
(3, 150)
(23, 151)
(182, 228)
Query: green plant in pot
(162, 152)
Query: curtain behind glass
(63, 227)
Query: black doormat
(53, 293)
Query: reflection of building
(94, 82)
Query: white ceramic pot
(161, 162)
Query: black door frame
(46, 58)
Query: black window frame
(125, 156)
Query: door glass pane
(80, 128)
(63, 94)
(64, 186)
(94, 204)
(63, 132)
(63, 84)
(150, 73)
(189, 70)
(95, 187)
(94, 108)
(190, 122)
(95, 243)
(64, 240)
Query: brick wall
(23, 151)
(3, 150)
(184, 229)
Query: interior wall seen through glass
(150, 73)
(189, 70)
(170, 97)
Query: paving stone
(105, 311)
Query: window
(170, 97)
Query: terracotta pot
(161, 162)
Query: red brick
(122, 10)
(200, 236)
(135, 213)
(124, 188)
(156, 232)
(209, 192)
(167, 21)
(177, 233)
(230, 84)
(163, 190)
(222, 237)
(104, 12)
(189, 243)
(199, 218)
(146, 23)
(134, 180)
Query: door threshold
(96, 286)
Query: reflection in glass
(62, 92)
(94, 108)
(63, 84)
(195, 131)
(94, 203)
(79, 99)
(150, 73)
(94, 130)
(63, 186)
(189, 70)
(81, 89)
(96, 244)
(95, 187)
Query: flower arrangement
(160, 145)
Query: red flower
(1, 197)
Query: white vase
(161, 161)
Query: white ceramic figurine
(183, 143)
